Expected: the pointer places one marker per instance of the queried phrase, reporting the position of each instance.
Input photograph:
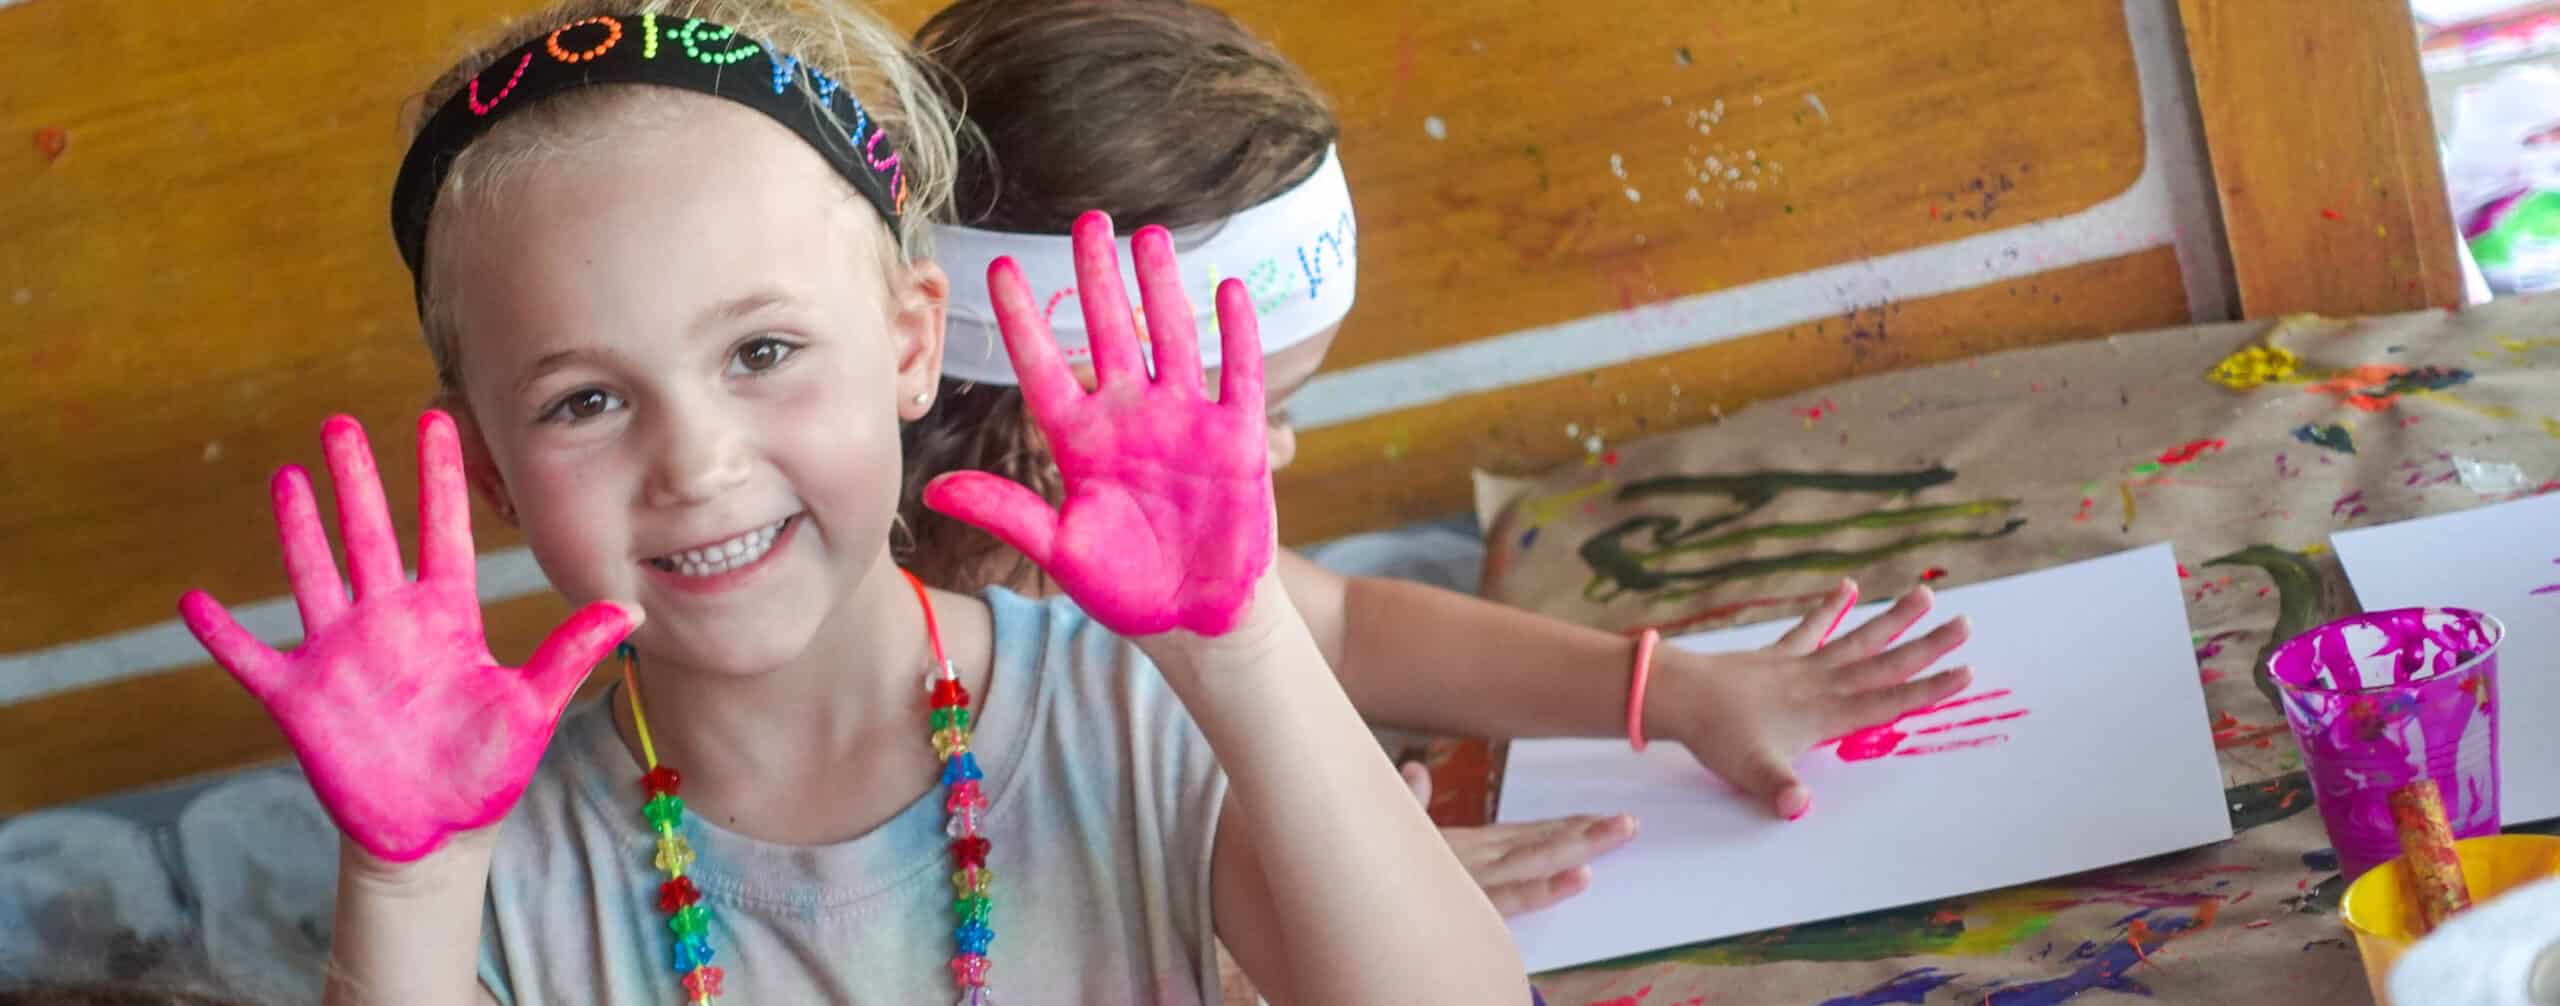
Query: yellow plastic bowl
(2384, 918)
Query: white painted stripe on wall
(504, 576)
(2168, 204)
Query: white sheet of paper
(2491, 559)
(2113, 762)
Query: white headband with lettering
(1297, 255)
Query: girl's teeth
(720, 558)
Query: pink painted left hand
(1167, 521)
(1746, 716)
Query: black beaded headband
(643, 49)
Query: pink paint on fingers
(1847, 606)
(1925, 608)
(364, 519)
(444, 502)
(1166, 521)
(406, 726)
(313, 576)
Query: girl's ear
(477, 466)
(923, 294)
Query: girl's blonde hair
(841, 38)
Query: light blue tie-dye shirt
(1104, 804)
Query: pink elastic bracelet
(1635, 686)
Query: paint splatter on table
(2244, 445)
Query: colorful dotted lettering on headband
(784, 68)
(1269, 284)
(648, 36)
(479, 107)
(612, 37)
(693, 34)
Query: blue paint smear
(1908, 987)
(2332, 437)
(2106, 968)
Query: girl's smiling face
(685, 346)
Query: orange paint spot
(51, 141)
(2349, 386)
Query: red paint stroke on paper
(2350, 505)
(2190, 451)
(2212, 647)
(2229, 732)
(1814, 413)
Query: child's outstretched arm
(415, 739)
(1423, 658)
(1329, 883)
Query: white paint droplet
(1815, 100)
(22, 296)
(1591, 444)
(2488, 477)
(1634, 196)
(1618, 166)
(212, 451)
(1573, 429)
(1437, 129)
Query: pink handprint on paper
(1896, 740)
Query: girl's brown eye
(587, 404)
(762, 354)
(580, 405)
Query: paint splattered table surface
(2245, 445)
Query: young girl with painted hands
(1167, 112)
(679, 316)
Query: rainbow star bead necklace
(690, 920)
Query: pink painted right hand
(410, 731)
(1167, 521)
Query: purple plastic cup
(2388, 697)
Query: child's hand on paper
(1747, 716)
(409, 730)
(1527, 866)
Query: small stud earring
(924, 398)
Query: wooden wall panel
(2323, 147)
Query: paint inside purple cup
(2384, 698)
